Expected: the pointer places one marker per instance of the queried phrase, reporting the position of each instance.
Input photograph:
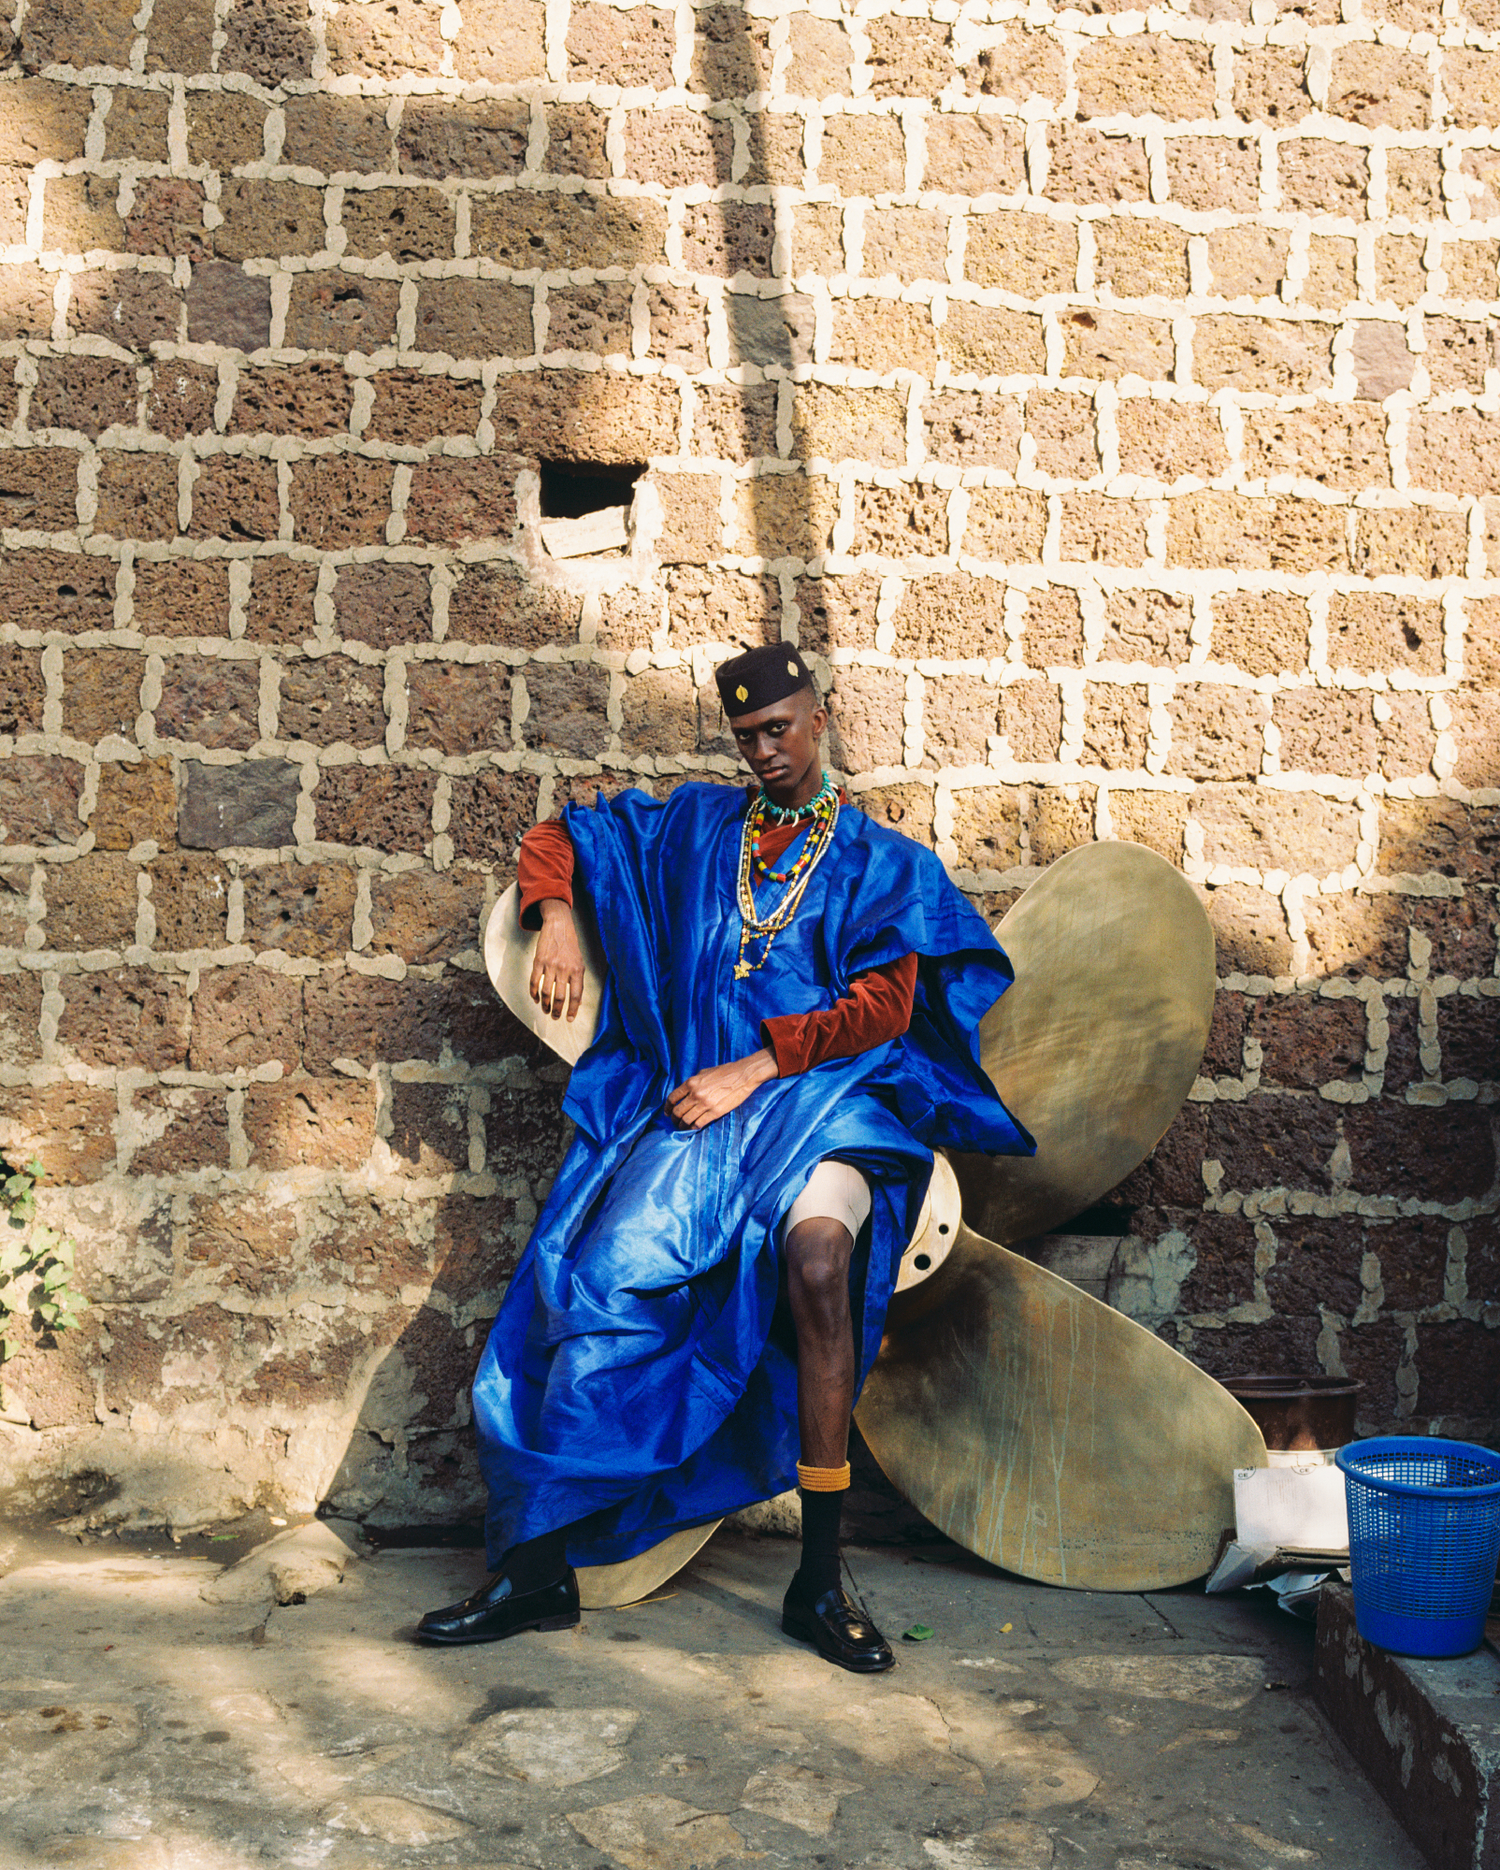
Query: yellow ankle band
(823, 1479)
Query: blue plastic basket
(1424, 1536)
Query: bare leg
(817, 1257)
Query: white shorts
(834, 1192)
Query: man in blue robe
(707, 1283)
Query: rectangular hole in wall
(586, 506)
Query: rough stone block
(474, 318)
(269, 40)
(1217, 732)
(182, 597)
(985, 340)
(101, 692)
(974, 155)
(987, 824)
(863, 156)
(727, 238)
(1100, 530)
(1271, 1142)
(881, 335)
(455, 500)
(430, 1127)
(496, 603)
(42, 120)
(972, 428)
(901, 522)
(332, 701)
(1208, 172)
(567, 708)
(166, 219)
(236, 497)
(1338, 447)
(1062, 429)
(135, 310)
(134, 803)
(227, 128)
(226, 305)
(414, 408)
(1030, 254)
(341, 312)
(405, 224)
(594, 318)
(190, 897)
(39, 800)
(137, 496)
(127, 1017)
(1272, 354)
(909, 57)
(1093, 166)
(341, 500)
(425, 917)
(387, 808)
(1381, 87)
(490, 812)
(1149, 76)
(959, 714)
(1108, 345)
(1157, 820)
(458, 707)
(678, 148)
(244, 1017)
(792, 515)
(250, 806)
(1231, 532)
(720, 607)
(181, 36)
(181, 399)
(80, 215)
(391, 40)
(1306, 1043)
(838, 424)
(1418, 836)
(46, 590)
(39, 488)
(1162, 441)
(1455, 450)
(528, 229)
(1116, 723)
(953, 615)
(1476, 721)
(1321, 177)
(906, 243)
(23, 690)
(90, 903)
(1147, 626)
(867, 708)
(68, 1128)
(1022, 66)
(660, 713)
(61, 32)
(1274, 830)
(300, 909)
(576, 141)
(210, 701)
(454, 137)
(1434, 1155)
(1326, 733)
(1260, 632)
(264, 219)
(1005, 524)
(1378, 630)
(1247, 261)
(820, 57)
(327, 1120)
(635, 47)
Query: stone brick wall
(1104, 400)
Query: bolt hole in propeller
(1031, 1423)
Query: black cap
(760, 678)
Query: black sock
(535, 1562)
(819, 1569)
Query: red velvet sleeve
(876, 1008)
(544, 869)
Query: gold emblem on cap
(791, 668)
(742, 693)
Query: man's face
(780, 746)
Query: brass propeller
(1035, 1426)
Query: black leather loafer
(497, 1612)
(838, 1631)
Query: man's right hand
(557, 965)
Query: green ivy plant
(36, 1262)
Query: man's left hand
(711, 1094)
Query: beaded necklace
(823, 811)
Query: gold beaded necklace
(823, 810)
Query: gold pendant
(742, 972)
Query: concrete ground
(143, 1727)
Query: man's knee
(817, 1257)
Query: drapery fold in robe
(638, 1377)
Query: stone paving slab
(144, 1727)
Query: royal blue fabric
(639, 1376)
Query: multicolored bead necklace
(823, 812)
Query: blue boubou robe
(633, 1378)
